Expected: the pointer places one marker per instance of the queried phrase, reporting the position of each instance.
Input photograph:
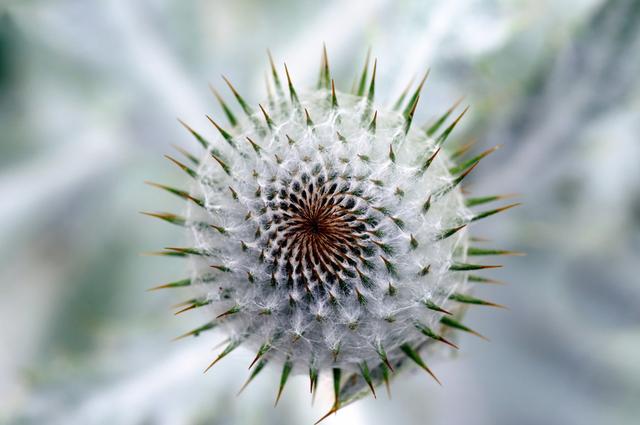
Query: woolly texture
(328, 234)
(326, 253)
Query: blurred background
(89, 96)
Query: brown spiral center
(318, 229)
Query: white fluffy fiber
(309, 334)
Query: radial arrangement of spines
(329, 235)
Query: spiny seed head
(328, 234)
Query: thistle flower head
(329, 235)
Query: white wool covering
(359, 296)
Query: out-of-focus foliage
(88, 96)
